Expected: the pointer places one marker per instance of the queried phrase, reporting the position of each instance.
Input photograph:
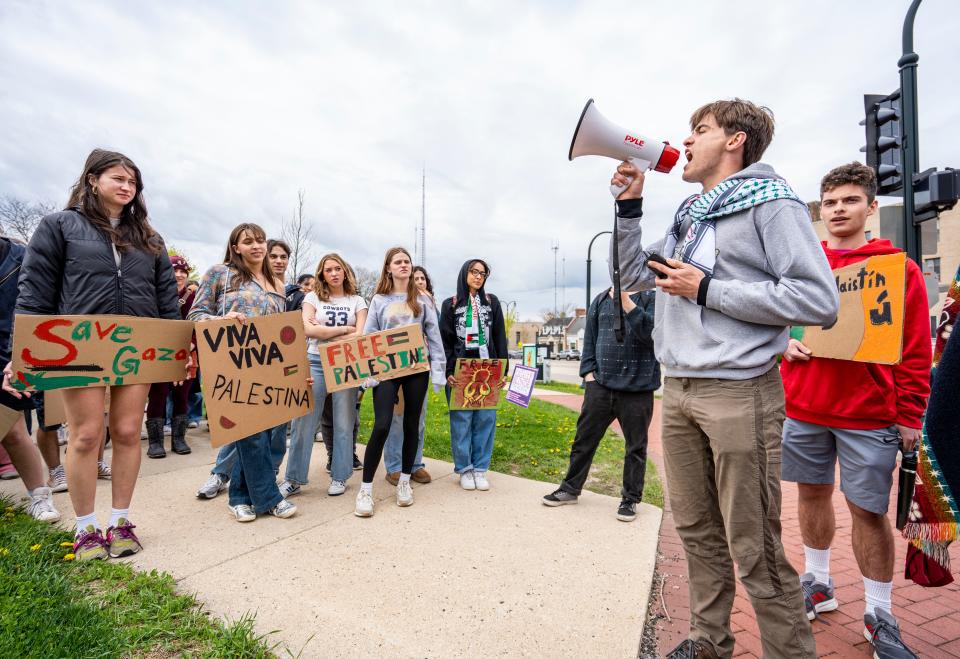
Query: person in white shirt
(331, 311)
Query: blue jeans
(304, 429)
(253, 481)
(393, 449)
(471, 439)
(277, 441)
(195, 411)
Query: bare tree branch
(366, 281)
(19, 218)
(298, 233)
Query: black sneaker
(627, 512)
(560, 498)
(357, 465)
(882, 631)
(691, 649)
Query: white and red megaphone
(598, 136)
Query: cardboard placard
(521, 385)
(254, 374)
(384, 355)
(54, 411)
(64, 352)
(8, 417)
(869, 327)
(478, 384)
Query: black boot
(155, 435)
(178, 432)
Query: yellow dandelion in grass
(4, 551)
(8, 509)
(69, 557)
(66, 544)
(34, 547)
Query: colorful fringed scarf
(934, 516)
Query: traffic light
(884, 137)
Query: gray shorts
(867, 460)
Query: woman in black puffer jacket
(100, 256)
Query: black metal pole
(589, 266)
(909, 151)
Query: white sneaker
(41, 506)
(243, 512)
(336, 488)
(63, 435)
(193, 424)
(284, 509)
(467, 481)
(404, 493)
(288, 489)
(480, 478)
(214, 485)
(364, 504)
(58, 479)
(103, 471)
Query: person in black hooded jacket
(471, 325)
(100, 256)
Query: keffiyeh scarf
(699, 245)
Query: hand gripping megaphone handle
(641, 165)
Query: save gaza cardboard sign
(63, 352)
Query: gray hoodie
(770, 273)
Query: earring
(96, 191)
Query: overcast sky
(230, 107)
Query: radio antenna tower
(555, 247)
(423, 216)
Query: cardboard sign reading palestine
(383, 355)
(63, 352)
(869, 326)
(254, 374)
(478, 384)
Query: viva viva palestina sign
(384, 355)
(61, 352)
(869, 327)
(254, 374)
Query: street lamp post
(589, 262)
(909, 157)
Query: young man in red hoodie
(858, 413)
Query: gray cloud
(230, 108)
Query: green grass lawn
(51, 606)
(531, 443)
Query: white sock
(818, 563)
(83, 521)
(366, 487)
(878, 595)
(117, 513)
(404, 478)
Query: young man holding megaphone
(742, 263)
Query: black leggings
(384, 397)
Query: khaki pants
(721, 443)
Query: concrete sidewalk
(929, 617)
(458, 574)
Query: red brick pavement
(929, 617)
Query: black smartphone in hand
(656, 258)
